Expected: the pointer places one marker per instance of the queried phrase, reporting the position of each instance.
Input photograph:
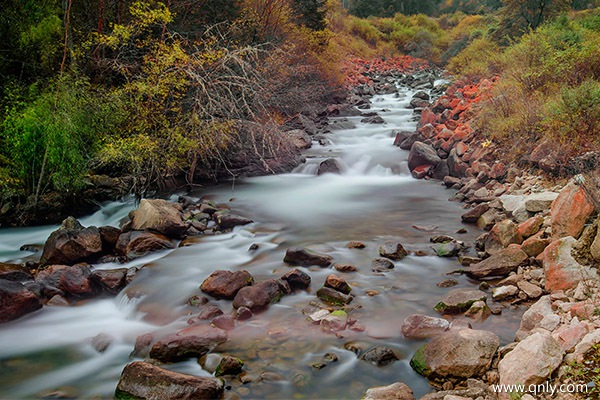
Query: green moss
(121, 395)
(419, 363)
(339, 313)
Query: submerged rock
(226, 284)
(379, 356)
(459, 300)
(259, 296)
(392, 250)
(306, 258)
(195, 341)
(423, 327)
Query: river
(374, 199)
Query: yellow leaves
(146, 14)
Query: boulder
(448, 249)
(539, 202)
(194, 341)
(570, 211)
(329, 166)
(299, 138)
(535, 245)
(227, 220)
(595, 246)
(401, 136)
(335, 282)
(532, 291)
(109, 236)
(504, 292)
(72, 243)
(392, 250)
(111, 281)
(531, 362)
(379, 356)
(456, 166)
(531, 226)
(15, 272)
(376, 119)
(160, 216)
(142, 380)
(539, 315)
(297, 279)
(569, 336)
(305, 258)
(462, 353)
(74, 281)
(423, 327)
(395, 391)
(229, 366)
(473, 214)
(333, 297)
(500, 264)
(422, 154)
(562, 271)
(335, 321)
(382, 265)
(459, 300)
(16, 300)
(502, 234)
(259, 296)
(135, 244)
(226, 284)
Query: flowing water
(374, 199)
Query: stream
(374, 199)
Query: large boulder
(142, 380)
(423, 327)
(259, 296)
(459, 300)
(305, 258)
(502, 234)
(539, 315)
(297, 279)
(395, 391)
(74, 281)
(16, 300)
(300, 139)
(160, 216)
(72, 243)
(462, 353)
(422, 154)
(15, 272)
(190, 342)
(111, 281)
(570, 211)
(531, 362)
(538, 202)
(136, 244)
(562, 271)
(500, 264)
(226, 284)
(329, 166)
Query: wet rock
(329, 166)
(227, 220)
(392, 250)
(335, 282)
(101, 342)
(356, 245)
(225, 322)
(475, 213)
(299, 138)
(570, 211)
(229, 366)
(190, 342)
(422, 154)
(243, 313)
(142, 345)
(373, 120)
(500, 264)
(504, 292)
(441, 239)
(463, 353)
(111, 281)
(459, 300)
(142, 380)
(259, 296)
(16, 300)
(71, 243)
(401, 136)
(15, 272)
(305, 258)
(74, 281)
(226, 284)
(531, 362)
(395, 391)
(160, 216)
(562, 271)
(335, 321)
(446, 283)
(109, 236)
(333, 297)
(345, 268)
(502, 234)
(381, 265)
(297, 279)
(137, 244)
(57, 301)
(479, 311)
(379, 356)
(423, 327)
(448, 249)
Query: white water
(374, 199)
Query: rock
(395, 391)
(595, 246)
(381, 265)
(479, 311)
(568, 336)
(446, 283)
(585, 345)
(392, 250)
(71, 243)
(532, 291)
(335, 282)
(448, 249)
(160, 216)
(373, 120)
(341, 124)
(226, 284)
(345, 267)
(302, 122)
(401, 136)
(441, 239)
(109, 236)
(535, 245)
(500, 264)
(456, 166)
(422, 154)
(299, 138)
(531, 226)
(229, 366)
(225, 322)
(459, 300)
(137, 244)
(379, 356)
(502, 234)
(227, 220)
(531, 362)
(74, 281)
(15, 272)
(356, 245)
(16, 301)
(329, 166)
(259, 296)
(101, 342)
(539, 315)
(504, 292)
(333, 297)
(408, 143)
(538, 202)
(475, 213)
(142, 380)
(194, 341)
(306, 258)
(562, 271)
(421, 95)
(335, 321)
(463, 353)
(111, 281)
(570, 211)
(297, 279)
(423, 327)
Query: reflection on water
(373, 200)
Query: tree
(311, 13)
(520, 16)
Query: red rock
(421, 171)
(562, 271)
(570, 211)
(582, 310)
(461, 149)
(427, 117)
(535, 245)
(502, 234)
(531, 226)
(570, 335)
(16, 301)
